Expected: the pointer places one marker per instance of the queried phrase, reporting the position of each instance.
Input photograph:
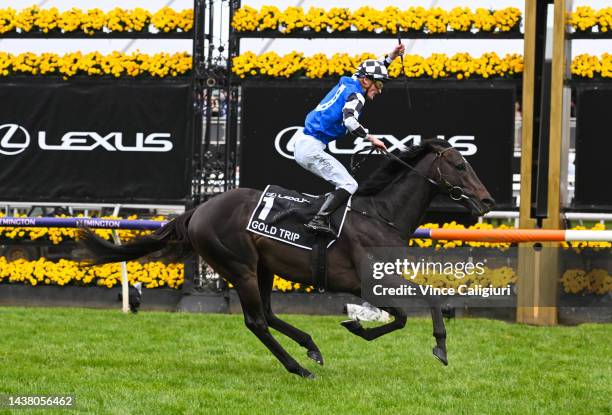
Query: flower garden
(460, 66)
(369, 19)
(116, 64)
(586, 19)
(94, 21)
(433, 20)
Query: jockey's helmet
(373, 69)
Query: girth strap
(318, 263)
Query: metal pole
(231, 101)
(125, 289)
(209, 89)
(198, 100)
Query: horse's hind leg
(355, 327)
(439, 332)
(255, 320)
(266, 279)
(399, 321)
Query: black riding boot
(320, 223)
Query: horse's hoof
(316, 356)
(306, 374)
(352, 325)
(440, 355)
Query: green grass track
(174, 363)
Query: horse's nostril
(488, 202)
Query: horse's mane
(390, 169)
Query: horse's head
(456, 177)
(438, 162)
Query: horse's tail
(171, 240)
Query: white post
(125, 290)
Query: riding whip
(399, 41)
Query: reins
(454, 192)
(390, 155)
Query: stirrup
(320, 225)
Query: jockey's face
(371, 88)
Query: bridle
(455, 192)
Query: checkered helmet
(371, 68)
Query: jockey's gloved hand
(378, 144)
(398, 50)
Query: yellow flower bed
(459, 66)
(116, 64)
(574, 281)
(283, 285)
(496, 278)
(57, 235)
(596, 281)
(65, 272)
(443, 244)
(369, 19)
(94, 20)
(589, 66)
(585, 18)
(438, 65)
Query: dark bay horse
(399, 191)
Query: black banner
(593, 149)
(477, 119)
(95, 141)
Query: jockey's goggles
(377, 82)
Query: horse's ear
(430, 144)
(435, 144)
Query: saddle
(281, 214)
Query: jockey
(336, 113)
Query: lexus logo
(284, 143)
(14, 139)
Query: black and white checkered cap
(374, 69)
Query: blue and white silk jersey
(337, 112)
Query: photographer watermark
(392, 275)
(483, 277)
(431, 278)
(412, 269)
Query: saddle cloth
(281, 214)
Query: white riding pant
(310, 154)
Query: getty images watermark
(390, 275)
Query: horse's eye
(461, 166)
